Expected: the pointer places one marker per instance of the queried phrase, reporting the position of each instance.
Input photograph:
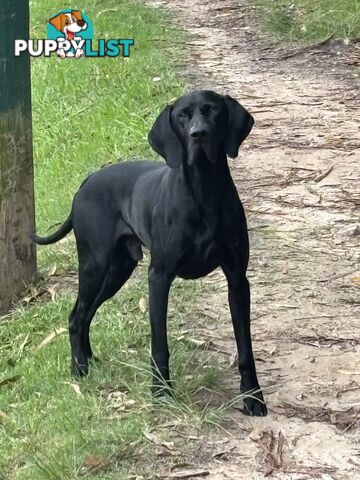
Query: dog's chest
(199, 250)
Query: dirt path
(305, 234)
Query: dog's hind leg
(94, 241)
(121, 267)
(98, 281)
(90, 285)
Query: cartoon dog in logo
(69, 24)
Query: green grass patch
(310, 21)
(51, 425)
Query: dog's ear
(164, 140)
(58, 22)
(77, 14)
(239, 127)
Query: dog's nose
(197, 132)
(81, 23)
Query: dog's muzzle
(198, 132)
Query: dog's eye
(67, 21)
(184, 114)
(210, 109)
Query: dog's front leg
(159, 286)
(239, 302)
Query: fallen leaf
(143, 304)
(152, 438)
(349, 372)
(107, 10)
(23, 344)
(256, 434)
(221, 453)
(52, 271)
(234, 359)
(52, 290)
(49, 338)
(126, 405)
(93, 461)
(34, 294)
(77, 390)
(168, 445)
(197, 342)
(181, 465)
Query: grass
(310, 21)
(52, 425)
(87, 113)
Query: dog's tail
(65, 228)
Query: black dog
(187, 213)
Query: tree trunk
(17, 254)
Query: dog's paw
(79, 369)
(162, 390)
(254, 404)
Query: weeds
(310, 21)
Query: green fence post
(17, 255)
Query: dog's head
(202, 122)
(69, 23)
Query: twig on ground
(342, 419)
(186, 474)
(339, 275)
(324, 174)
(305, 49)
